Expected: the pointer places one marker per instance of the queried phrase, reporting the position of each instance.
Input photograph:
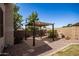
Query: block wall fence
(72, 32)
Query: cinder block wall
(77, 32)
(72, 32)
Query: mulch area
(23, 49)
(41, 48)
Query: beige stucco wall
(72, 32)
(8, 35)
(1, 44)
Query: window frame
(1, 22)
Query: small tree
(31, 19)
(17, 24)
(17, 18)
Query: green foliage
(29, 30)
(33, 17)
(69, 25)
(52, 34)
(17, 18)
(76, 24)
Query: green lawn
(72, 50)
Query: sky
(60, 14)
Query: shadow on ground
(23, 49)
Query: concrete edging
(61, 49)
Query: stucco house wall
(7, 39)
(2, 38)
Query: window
(1, 23)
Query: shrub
(52, 34)
(18, 36)
(67, 38)
(28, 32)
(62, 35)
(41, 32)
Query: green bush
(18, 36)
(52, 34)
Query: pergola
(40, 24)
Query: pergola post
(39, 24)
(26, 30)
(53, 31)
(40, 33)
(25, 33)
(34, 33)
